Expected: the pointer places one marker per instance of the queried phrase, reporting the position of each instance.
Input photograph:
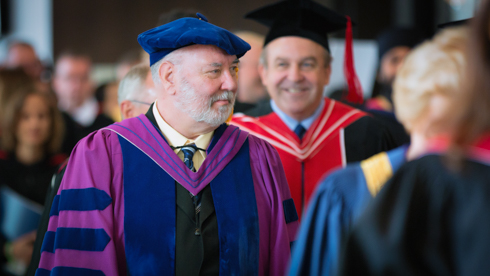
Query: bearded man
(176, 191)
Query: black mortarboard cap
(308, 19)
(397, 36)
(303, 18)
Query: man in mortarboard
(312, 134)
(175, 191)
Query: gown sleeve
(336, 203)
(409, 227)
(85, 230)
(278, 220)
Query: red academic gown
(339, 135)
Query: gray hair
(326, 55)
(132, 86)
(174, 58)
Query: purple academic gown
(93, 232)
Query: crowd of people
(216, 152)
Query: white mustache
(227, 95)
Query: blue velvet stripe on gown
(236, 209)
(149, 214)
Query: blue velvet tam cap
(162, 40)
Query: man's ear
(262, 73)
(166, 74)
(328, 73)
(127, 109)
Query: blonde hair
(435, 67)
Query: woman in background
(421, 98)
(32, 131)
(433, 217)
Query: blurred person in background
(107, 93)
(394, 44)
(433, 217)
(32, 131)
(250, 87)
(22, 55)
(127, 61)
(12, 81)
(136, 92)
(73, 86)
(342, 196)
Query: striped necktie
(189, 151)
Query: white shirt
(175, 139)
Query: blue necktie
(189, 151)
(300, 131)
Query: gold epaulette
(377, 170)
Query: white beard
(189, 98)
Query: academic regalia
(337, 203)
(339, 135)
(127, 174)
(310, 20)
(386, 118)
(393, 126)
(427, 220)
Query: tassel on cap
(354, 94)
